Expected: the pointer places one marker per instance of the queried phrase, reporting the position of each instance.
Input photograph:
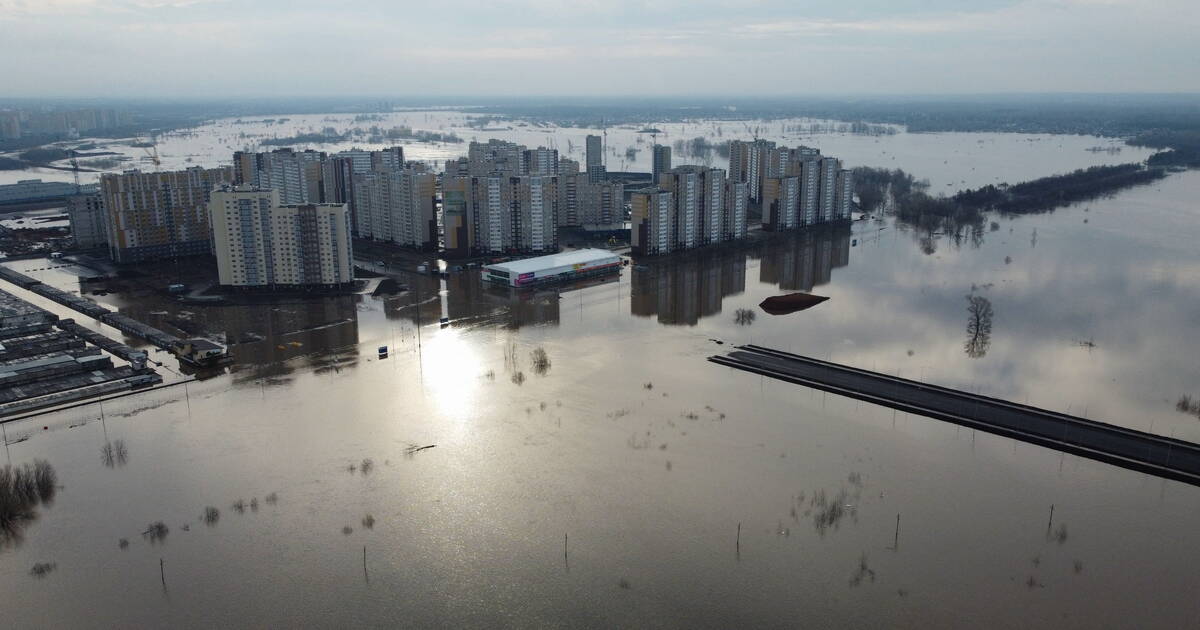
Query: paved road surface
(1167, 457)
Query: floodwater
(630, 482)
(950, 161)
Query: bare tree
(979, 326)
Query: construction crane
(150, 148)
(75, 169)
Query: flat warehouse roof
(580, 256)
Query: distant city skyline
(505, 48)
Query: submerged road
(1136, 450)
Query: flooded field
(951, 161)
(619, 479)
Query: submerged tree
(23, 488)
(541, 361)
(744, 316)
(979, 326)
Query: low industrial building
(559, 267)
(41, 366)
(28, 190)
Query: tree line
(913, 205)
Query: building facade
(456, 229)
(652, 225)
(539, 161)
(827, 197)
(594, 158)
(89, 225)
(737, 202)
(295, 175)
(160, 215)
(700, 209)
(582, 203)
(396, 206)
(660, 161)
(260, 243)
(748, 165)
(36, 189)
(799, 187)
(781, 203)
(844, 198)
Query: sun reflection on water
(450, 370)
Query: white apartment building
(845, 194)
(827, 197)
(737, 201)
(396, 206)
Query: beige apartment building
(160, 215)
(260, 243)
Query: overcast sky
(221, 48)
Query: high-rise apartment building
(808, 169)
(692, 206)
(396, 206)
(660, 161)
(827, 197)
(312, 176)
(19, 122)
(296, 175)
(362, 161)
(748, 164)
(569, 199)
(685, 188)
(10, 125)
(601, 205)
(501, 213)
(535, 213)
(506, 198)
(582, 203)
(844, 197)
(699, 194)
(781, 203)
(798, 187)
(539, 161)
(494, 156)
(89, 225)
(652, 221)
(260, 243)
(457, 230)
(594, 160)
(160, 215)
(737, 202)
(567, 166)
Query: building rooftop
(11, 305)
(562, 259)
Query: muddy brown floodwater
(621, 480)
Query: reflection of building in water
(682, 292)
(514, 308)
(805, 259)
(469, 301)
(269, 333)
